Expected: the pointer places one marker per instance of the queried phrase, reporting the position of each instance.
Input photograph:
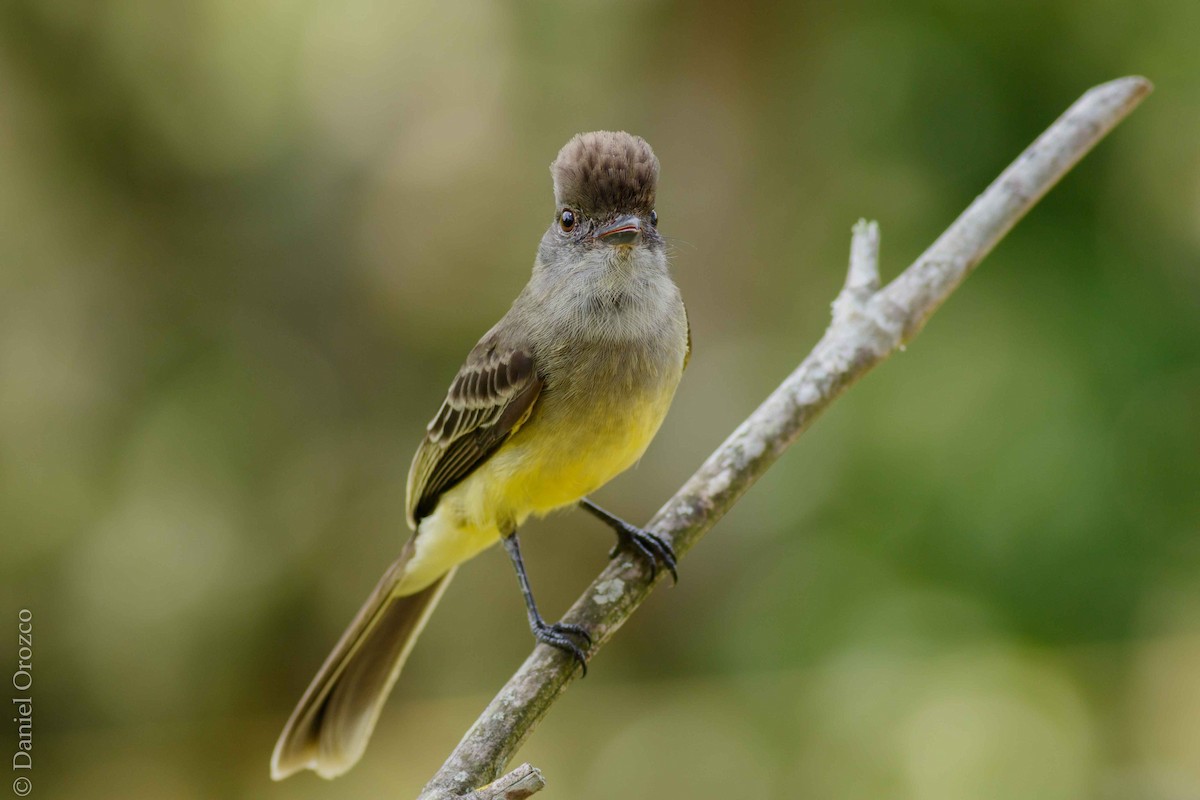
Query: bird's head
(604, 186)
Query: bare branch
(868, 325)
(516, 785)
(862, 279)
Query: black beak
(622, 230)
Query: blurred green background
(244, 245)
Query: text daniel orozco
(22, 680)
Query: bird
(564, 393)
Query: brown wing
(490, 398)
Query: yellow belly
(541, 474)
(551, 462)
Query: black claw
(572, 630)
(651, 546)
(558, 636)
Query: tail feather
(331, 725)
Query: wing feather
(490, 397)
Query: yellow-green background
(244, 244)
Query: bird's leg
(650, 546)
(557, 634)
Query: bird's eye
(654, 219)
(567, 220)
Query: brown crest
(605, 171)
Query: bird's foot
(650, 546)
(559, 635)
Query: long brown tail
(331, 725)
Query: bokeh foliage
(243, 246)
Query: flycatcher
(563, 394)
